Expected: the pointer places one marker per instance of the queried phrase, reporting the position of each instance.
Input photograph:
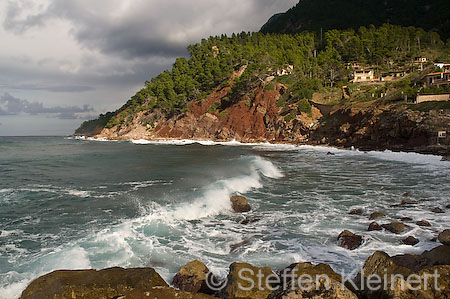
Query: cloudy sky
(64, 61)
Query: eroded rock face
(312, 281)
(92, 284)
(192, 277)
(243, 282)
(240, 204)
(394, 227)
(349, 240)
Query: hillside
(289, 88)
(317, 15)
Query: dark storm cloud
(13, 106)
(132, 29)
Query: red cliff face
(255, 119)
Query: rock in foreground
(325, 283)
(243, 282)
(93, 284)
(192, 277)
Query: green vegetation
(324, 15)
(313, 63)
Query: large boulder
(402, 277)
(93, 284)
(247, 281)
(444, 237)
(240, 204)
(163, 293)
(394, 227)
(349, 240)
(193, 277)
(304, 280)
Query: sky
(66, 61)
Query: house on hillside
(285, 71)
(438, 79)
(363, 75)
(421, 59)
(445, 67)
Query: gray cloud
(133, 29)
(101, 52)
(13, 106)
(59, 88)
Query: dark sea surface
(77, 204)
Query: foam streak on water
(80, 204)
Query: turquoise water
(76, 204)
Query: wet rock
(437, 210)
(247, 281)
(240, 204)
(376, 215)
(358, 212)
(398, 270)
(324, 283)
(374, 226)
(444, 237)
(394, 227)
(447, 206)
(414, 262)
(349, 240)
(423, 223)
(248, 220)
(236, 246)
(192, 277)
(163, 293)
(405, 219)
(406, 202)
(406, 194)
(410, 241)
(438, 256)
(93, 284)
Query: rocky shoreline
(425, 275)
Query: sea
(79, 203)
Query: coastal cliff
(294, 88)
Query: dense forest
(319, 61)
(323, 15)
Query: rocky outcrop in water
(240, 204)
(349, 240)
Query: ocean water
(77, 204)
